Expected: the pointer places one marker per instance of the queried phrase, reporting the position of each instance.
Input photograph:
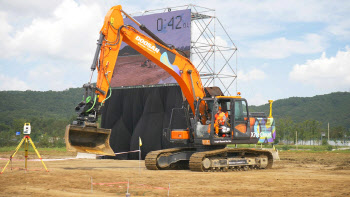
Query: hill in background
(333, 108)
(49, 112)
(35, 104)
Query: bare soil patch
(296, 174)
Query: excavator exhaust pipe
(88, 139)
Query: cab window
(240, 110)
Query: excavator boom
(84, 135)
(170, 60)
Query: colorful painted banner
(265, 130)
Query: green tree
(338, 133)
(285, 129)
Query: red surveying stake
(26, 139)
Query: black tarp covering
(144, 112)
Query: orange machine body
(176, 134)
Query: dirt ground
(296, 174)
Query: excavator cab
(228, 121)
(219, 121)
(214, 118)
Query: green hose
(110, 91)
(93, 104)
(88, 99)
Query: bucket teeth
(88, 139)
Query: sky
(285, 48)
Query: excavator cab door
(241, 121)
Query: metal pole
(91, 186)
(26, 153)
(296, 139)
(236, 71)
(328, 133)
(214, 52)
(169, 190)
(139, 158)
(127, 190)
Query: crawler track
(151, 160)
(226, 159)
(196, 160)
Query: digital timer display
(175, 22)
(172, 27)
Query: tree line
(308, 131)
(45, 132)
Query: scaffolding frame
(217, 64)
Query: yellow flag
(140, 142)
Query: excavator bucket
(88, 139)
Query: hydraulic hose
(110, 90)
(93, 105)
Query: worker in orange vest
(220, 118)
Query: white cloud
(66, 34)
(12, 83)
(257, 99)
(44, 76)
(325, 73)
(247, 81)
(257, 18)
(4, 33)
(55, 48)
(250, 85)
(29, 8)
(252, 75)
(279, 48)
(340, 28)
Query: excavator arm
(84, 134)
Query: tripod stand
(26, 139)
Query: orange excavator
(203, 142)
